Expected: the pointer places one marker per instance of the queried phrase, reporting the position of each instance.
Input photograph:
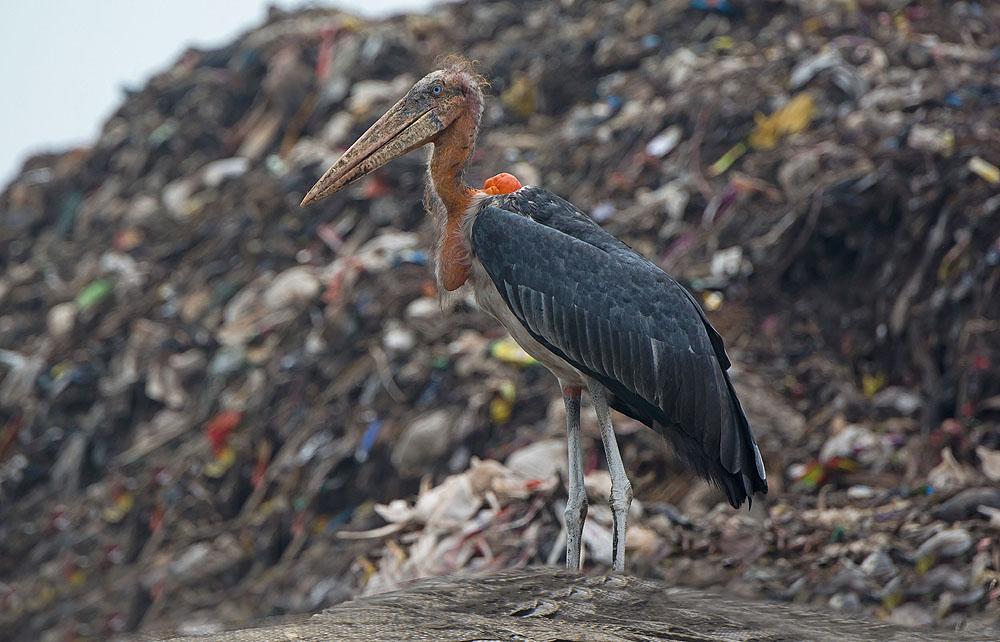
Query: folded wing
(618, 318)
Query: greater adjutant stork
(597, 314)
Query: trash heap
(215, 406)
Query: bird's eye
(436, 90)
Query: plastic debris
(423, 442)
(664, 142)
(508, 351)
(502, 405)
(990, 462)
(93, 294)
(541, 460)
(951, 543)
(790, 119)
(985, 170)
(968, 503)
(62, 318)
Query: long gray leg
(621, 488)
(576, 505)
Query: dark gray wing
(552, 211)
(618, 318)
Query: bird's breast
(489, 299)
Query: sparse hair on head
(458, 62)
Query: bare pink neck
(451, 153)
(452, 150)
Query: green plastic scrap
(94, 293)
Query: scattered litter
(790, 119)
(985, 170)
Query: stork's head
(435, 102)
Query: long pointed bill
(403, 128)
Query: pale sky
(63, 63)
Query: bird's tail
(733, 463)
(737, 467)
(749, 477)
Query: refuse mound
(216, 406)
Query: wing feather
(618, 318)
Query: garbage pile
(215, 406)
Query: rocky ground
(215, 406)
